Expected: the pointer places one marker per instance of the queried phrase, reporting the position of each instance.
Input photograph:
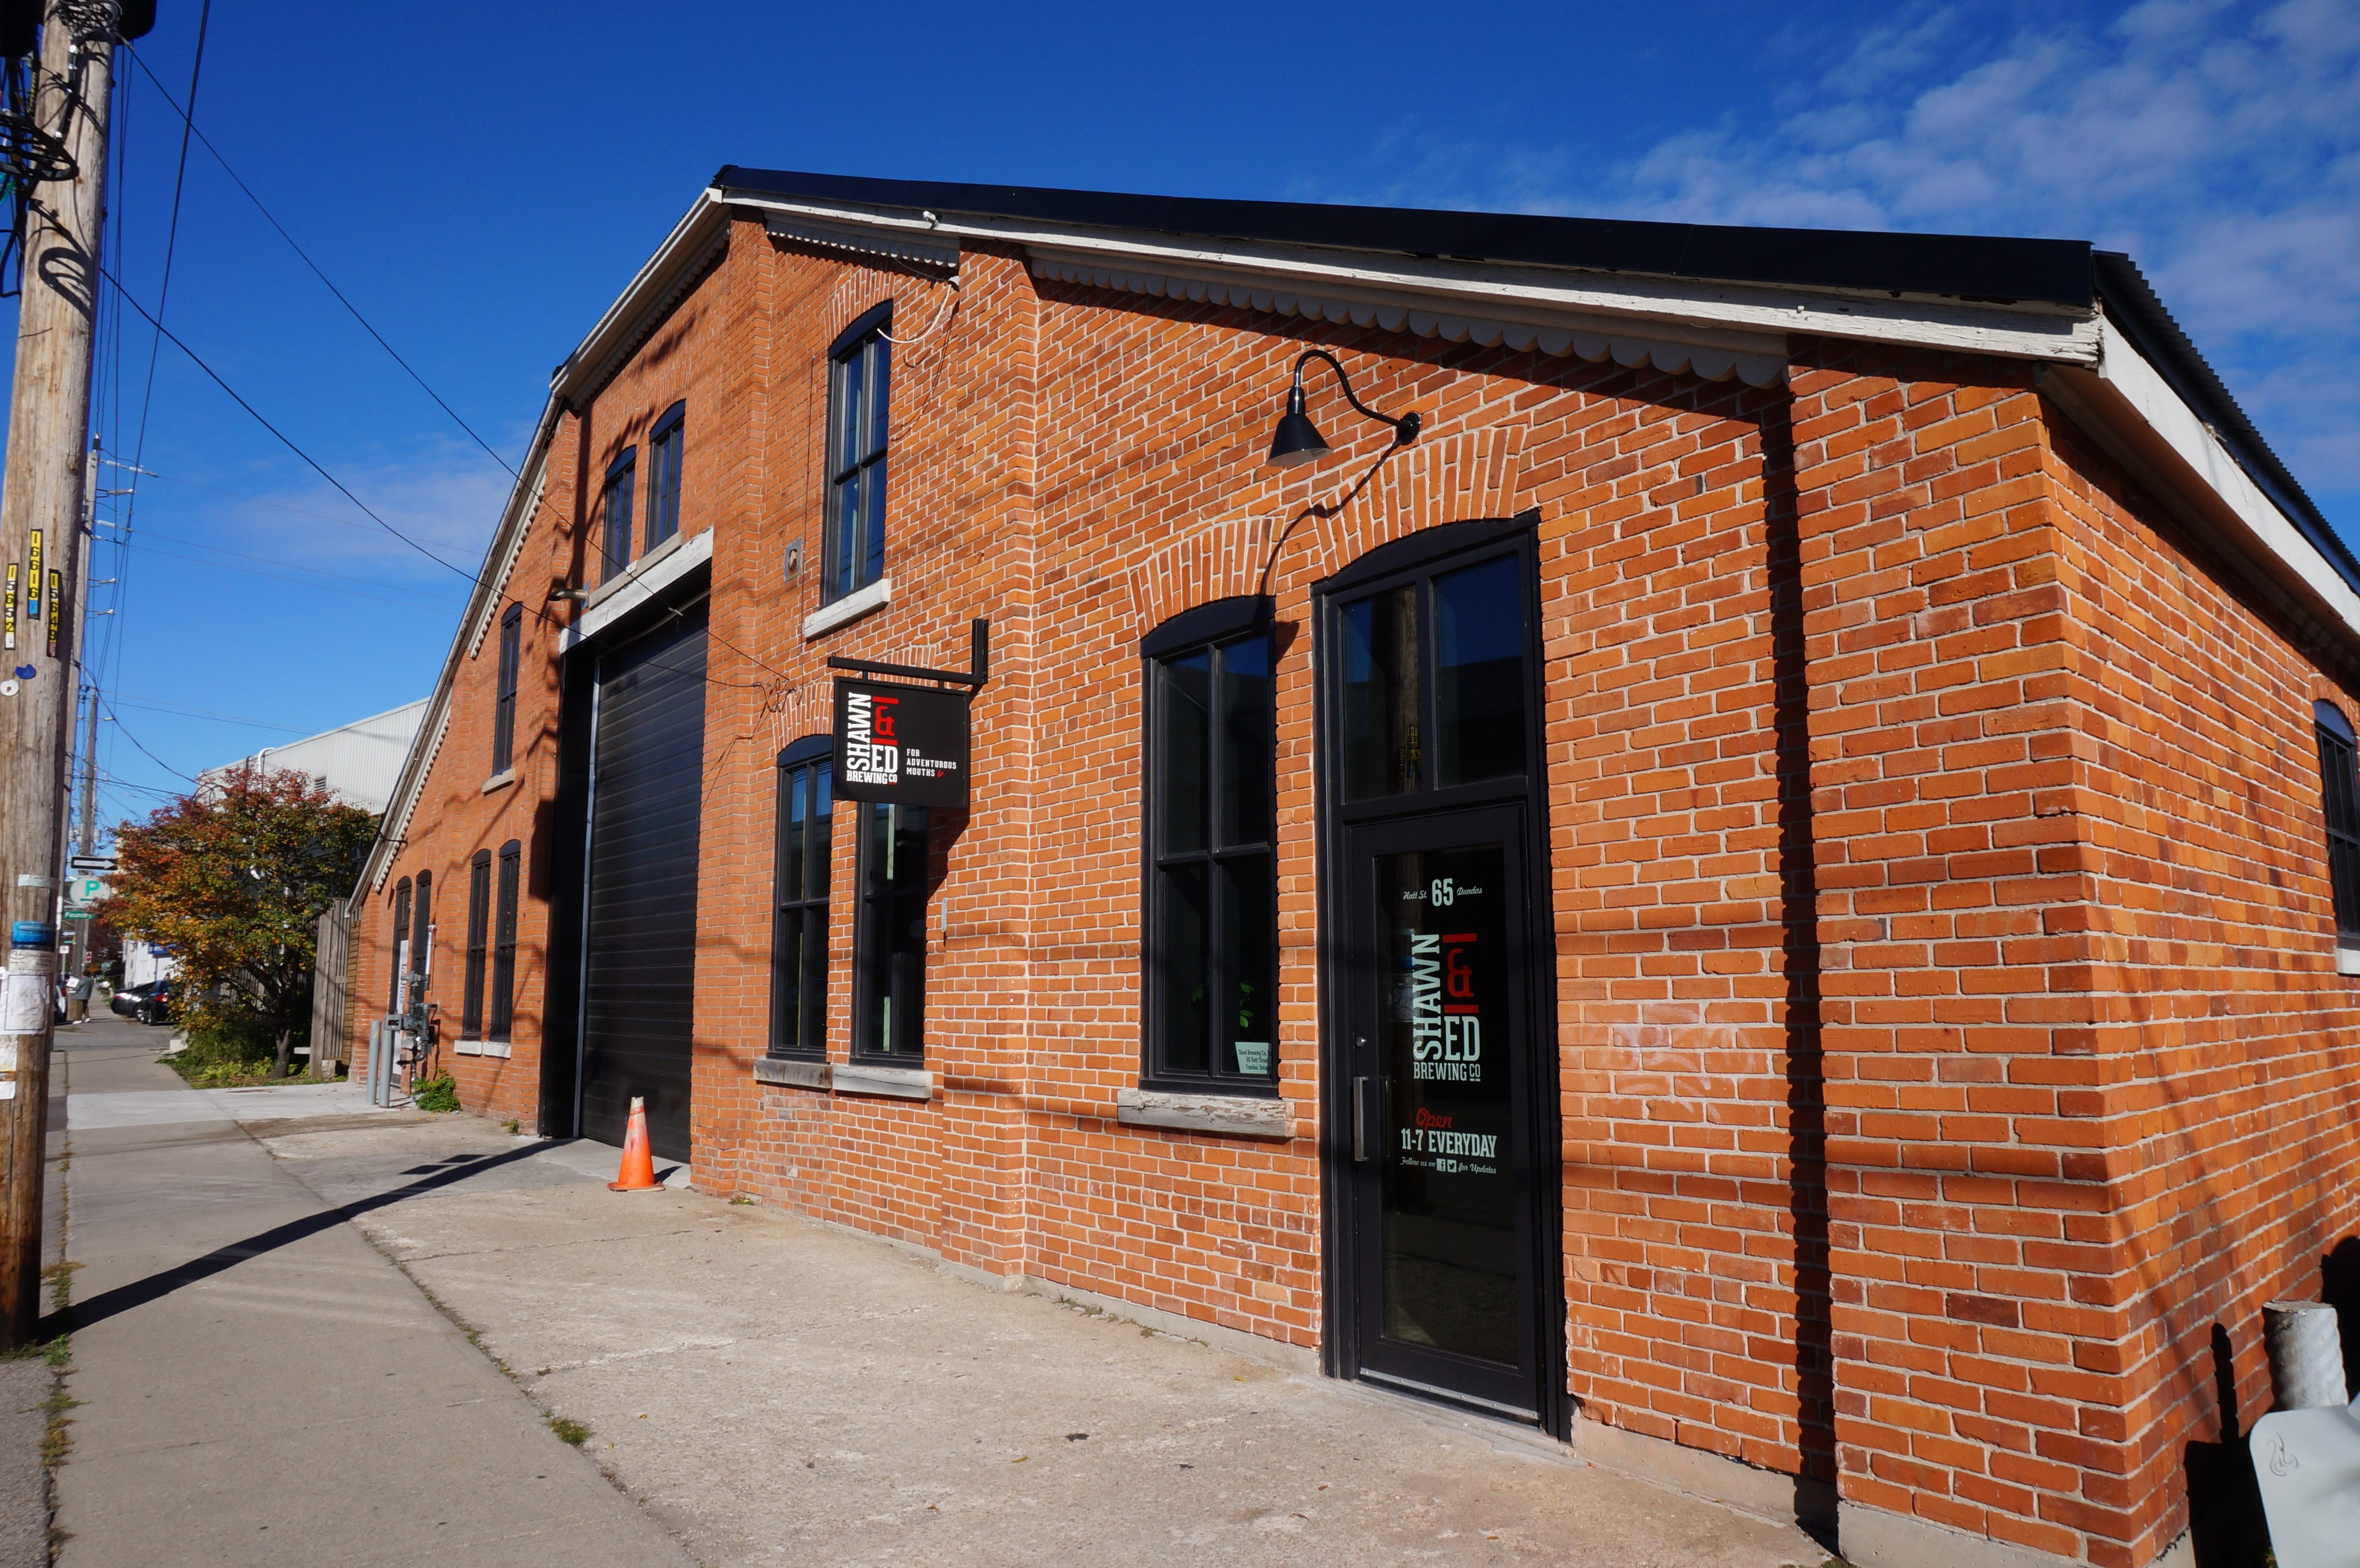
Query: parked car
(149, 1004)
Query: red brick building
(1751, 890)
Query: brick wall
(1942, 991)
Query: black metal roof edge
(1974, 267)
(2134, 308)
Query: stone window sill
(2347, 960)
(894, 1083)
(500, 780)
(1235, 1115)
(498, 1048)
(851, 608)
(791, 1074)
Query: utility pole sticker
(57, 609)
(33, 581)
(8, 619)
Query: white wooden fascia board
(1493, 290)
(2126, 371)
(488, 612)
(398, 828)
(647, 578)
(682, 247)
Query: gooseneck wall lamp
(1297, 441)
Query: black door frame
(1448, 545)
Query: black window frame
(617, 513)
(858, 475)
(2339, 791)
(1208, 630)
(502, 1022)
(400, 957)
(905, 904)
(504, 691)
(667, 445)
(479, 914)
(809, 762)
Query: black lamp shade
(1296, 440)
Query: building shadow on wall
(1799, 958)
(2226, 1526)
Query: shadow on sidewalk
(139, 1292)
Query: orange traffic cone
(638, 1171)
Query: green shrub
(439, 1092)
(226, 1055)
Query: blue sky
(482, 181)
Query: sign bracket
(978, 668)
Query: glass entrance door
(1440, 1055)
(1442, 1157)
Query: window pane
(1183, 976)
(1381, 654)
(1478, 675)
(786, 978)
(815, 873)
(619, 491)
(881, 378)
(843, 535)
(851, 381)
(891, 940)
(872, 508)
(504, 935)
(796, 783)
(1246, 768)
(812, 987)
(1183, 746)
(479, 915)
(1247, 1024)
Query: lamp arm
(1405, 428)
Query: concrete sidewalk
(259, 1384)
(775, 1390)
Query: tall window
(479, 916)
(2340, 799)
(421, 939)
(858, 391)
(663, 474)
(1212, 904)
(398, 994)
(798, 902)
(888, 943)
(615, 509)
(504, 926)
(504, 699)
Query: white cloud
(2218, 144)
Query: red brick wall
(1899, 763)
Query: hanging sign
(905, 744)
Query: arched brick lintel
(1455, 478)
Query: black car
(149, 1004)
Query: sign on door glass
(1448, 1236)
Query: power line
(161, 705)
(236, 496)
(440, 607)
(289, 565)
(188, 120)
(283, 438)
(133, 739)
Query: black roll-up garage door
(640, 939)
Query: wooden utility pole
(40, 518)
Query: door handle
(1359, 1120)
